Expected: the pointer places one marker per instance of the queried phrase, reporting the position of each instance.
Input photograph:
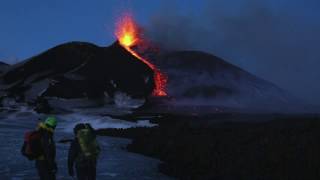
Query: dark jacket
(48, 147)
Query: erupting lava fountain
(128, 35)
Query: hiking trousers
(86, 169)
(45, 172)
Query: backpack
(32, 145)
(88, 143)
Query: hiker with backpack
(39, 145)
(83, 152)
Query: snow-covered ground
(115, 162)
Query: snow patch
(123, 100)
(98, 122)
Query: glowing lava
(128, 35)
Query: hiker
(39, 145)
(83, 152)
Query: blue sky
(274, 39)
(29, 27)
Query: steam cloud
(278, 41)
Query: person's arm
(72, 155)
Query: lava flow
(127, 33)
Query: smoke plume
(278, 41)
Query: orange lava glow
(127, 33)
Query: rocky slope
(78, 70)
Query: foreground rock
(204, 149)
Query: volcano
(77, 70)
(83, 70)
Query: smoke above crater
(275, 40)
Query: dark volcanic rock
(42, 105)
(284, 148)
(77, 69)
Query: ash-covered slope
(199, 78)
(3, 67)
(77, 70)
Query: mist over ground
(275, 40)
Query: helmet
(51, 122)
(78, 127)
(81, 126)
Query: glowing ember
(127, 33)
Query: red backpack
(32, 148)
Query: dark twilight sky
(278, 40)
